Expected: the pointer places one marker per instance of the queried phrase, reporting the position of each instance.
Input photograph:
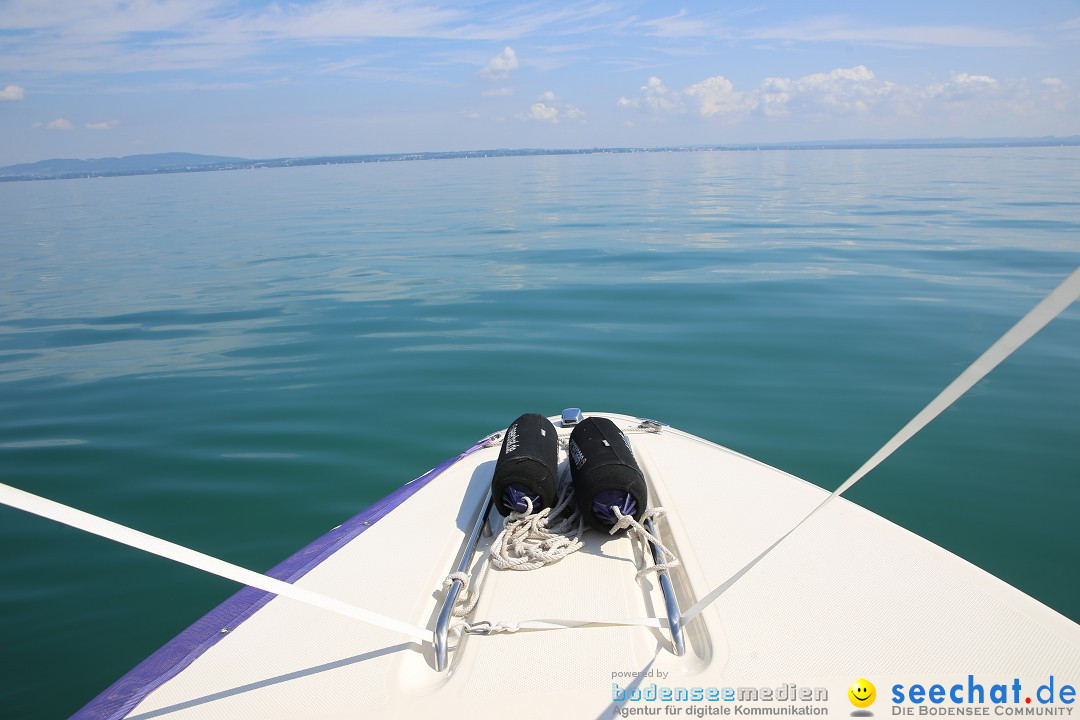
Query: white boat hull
(849, 595)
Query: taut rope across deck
(1049, 308)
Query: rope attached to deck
(93, 524)
(637, 531)
(528, 541)
(1049, 308)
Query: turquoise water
(238, 361)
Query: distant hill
(917, 143)
(128, 165)
(187, 162)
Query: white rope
(463, 605)
(468, 596)
(66, 515)
(529, 541)
(535, 541)
(485, 627)
(1050, 307)
(637, 531)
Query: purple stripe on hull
(125, 694)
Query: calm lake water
(238, 361)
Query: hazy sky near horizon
(94, 78)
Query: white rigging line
(148, 543)
(1050, 307)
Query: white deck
(849, 595)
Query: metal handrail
(442, 626)
(670, 603)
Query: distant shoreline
(144, 164)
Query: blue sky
(94, 78)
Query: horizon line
(221, 163)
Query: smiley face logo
(862, 693)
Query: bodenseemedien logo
(862, 695)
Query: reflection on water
(182, 273)
(241, 360)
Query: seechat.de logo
(862, 693)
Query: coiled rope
(529, 541)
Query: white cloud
(314, 20)
(1054, 93)
(110, 35)
(962, 87)
(103, 17)
(680, 25)
(12, 92)
(717, 96)
(976, 80)
(843, 90)
(59, 124)
(500, 66)
(846, 30)
(341, 19)
(775, 94)
(106, 125)
(855, 94)
(836, 28)
(714, 97)
(544, 113)
(573, 113)
(656, 98)
(553, 109)
(499, 92)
